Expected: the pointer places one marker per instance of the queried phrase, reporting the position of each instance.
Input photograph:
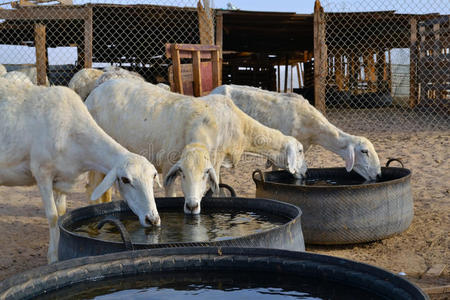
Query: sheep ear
(291, 156)
(349, 157)
(213, 182)
(107, 182)
(172, 175)
(157, 181)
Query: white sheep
(83, 82)
(17, 76)
(186, 136)
(163, 86)
(114, 72)
(31, 72)
(293, 115)
(3, 70)
(49, 138)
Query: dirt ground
(23, 244)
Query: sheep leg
(46, 190)
(217, 167)
(94, 179)
(60, 201)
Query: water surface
(212, 286)
(176, 227)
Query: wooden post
(370, 71)
(353, 76)
(298, 75)
(177, 69)
(286, 73)
(413, 57)
(216, 69)
(385, 67)
(278, 78)
(205, 23)
(219, 29)
(196, 70)
(320, 57)
(338, 71)
(437, 48)
(88, 37)
(292, 78)
(41, 53)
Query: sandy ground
(24, 239)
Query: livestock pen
(374, 68)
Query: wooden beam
(219, 42)
(302, 72)
(286, 73)
(177, 70)
(44, 12)
(197, 73)
(437, 49)
(41, 53)
(353, 76)
(185, 50)
(219, 30)
(298, 75)
(413, 57)
(88, 37)
(370, 71)
(205, 23)
(292, 78)
(320, 57)
(339, 71)
(26, 3)
(216, 69)
(278, 78)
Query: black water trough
(288, 235)
(206, 272)
(347, 211)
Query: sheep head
(197, 174)
(292, 158)
(360, 156)
(135, 176)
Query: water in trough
(177, 227)
(212, 285)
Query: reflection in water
(212, 285)
(178, 227)
(315, 181)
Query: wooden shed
(254, 43)
(335, 55)
(129, 35)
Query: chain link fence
(387, 64)
(130, 34)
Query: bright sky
(298, 6)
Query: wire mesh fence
(388, 64)
(130, 34)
